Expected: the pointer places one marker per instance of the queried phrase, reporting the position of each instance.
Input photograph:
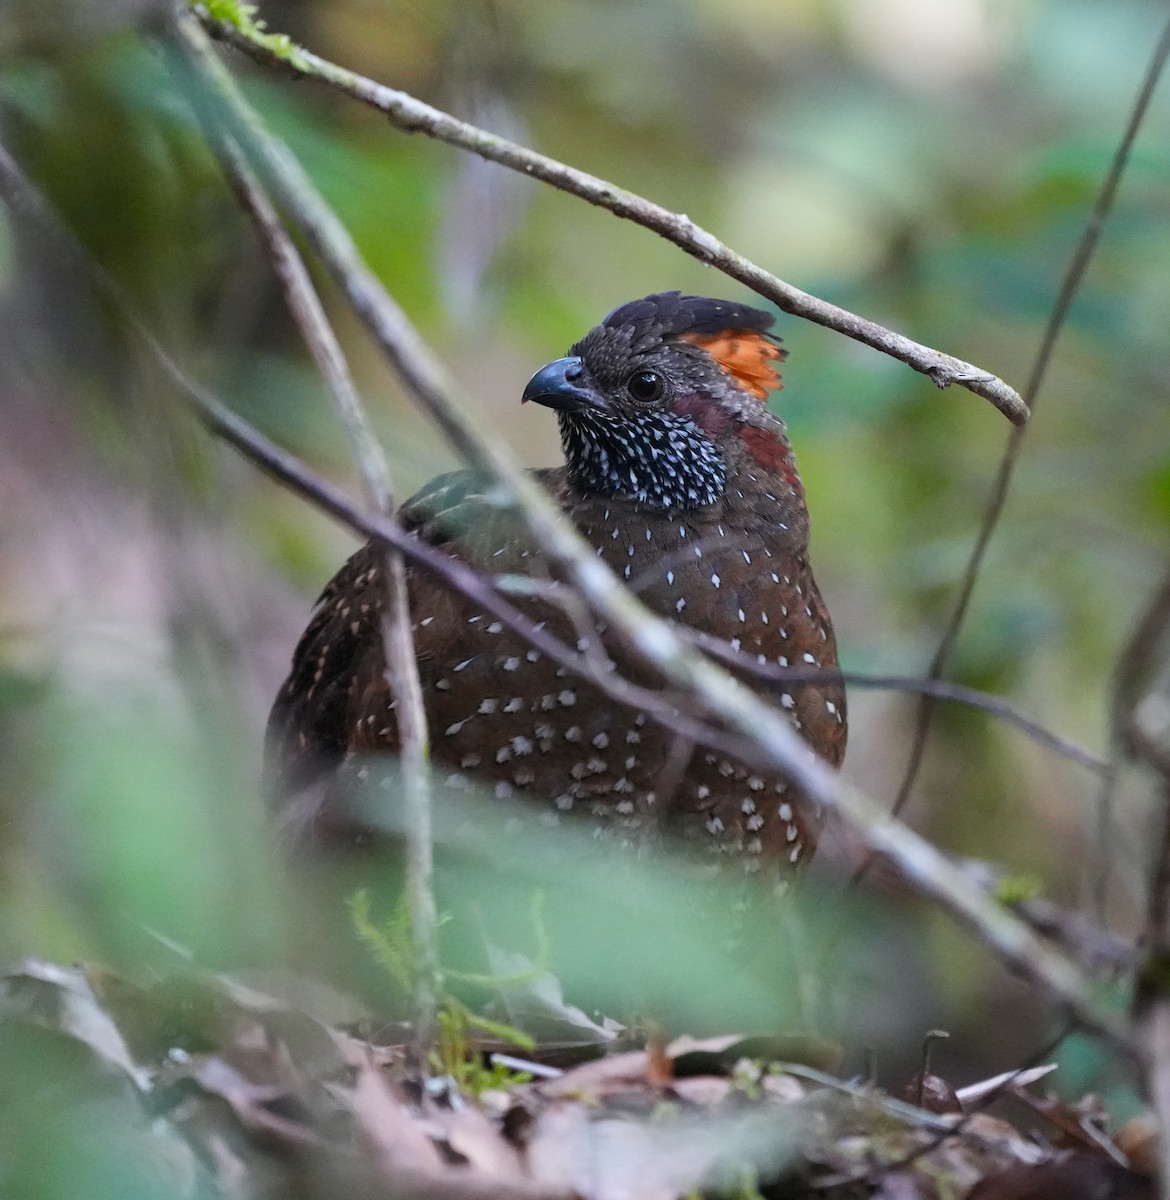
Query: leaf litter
(232, 1090)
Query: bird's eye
(645, 386)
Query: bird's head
(665, 398)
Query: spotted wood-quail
(685, 483)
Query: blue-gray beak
(564, 385)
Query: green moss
(242, 18)
(455, 1055)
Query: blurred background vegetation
(927, 165)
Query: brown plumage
(686, 485)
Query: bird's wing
(337, 674)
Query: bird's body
(685, 485)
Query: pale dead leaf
(61, 999)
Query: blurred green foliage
(929, 166)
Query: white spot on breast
(515, 705)
(680, 604)
(468, 761)
(503, 790)
(764, 616)
(670, 578)
(503, 754)
(573, 733)
(747, 558)
(742, 616)
(511, 664)
(808, 658)
(601, 740)
(830, 706)
(775, 577)
(626, 572)
(755, 822)
(714, 825)
(791, 833)
(702, 791)
(521, 746)
(782, 660)
(494, 627)
(567, 698)
(444, 685)
(715, 581)
(631, 762)
(649, 536)
(488, 704)
(794, 856)
(735, 643)
(784, 812)
(452, 730)
(787, 701)
(533, 656)
(426, 621)
(465, 663)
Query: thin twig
(413, 116)
(1070, 285)
(953, 1127)
(398, 642)
(748, 664)
(1096, 949)
(938, 689)
(772, 742)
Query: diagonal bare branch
(401, 661)
(1074, 275)
(411, 115)
(769, 741)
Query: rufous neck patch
(773, 453)
(744, 354)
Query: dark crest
(671, 314)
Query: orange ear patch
(744, 354)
